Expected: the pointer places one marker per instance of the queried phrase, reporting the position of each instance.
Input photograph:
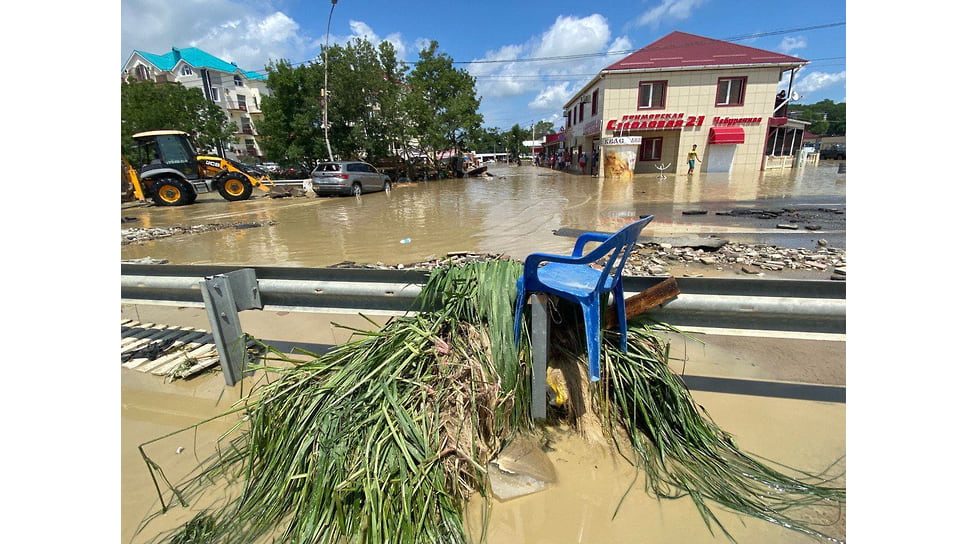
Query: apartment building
(238, 92)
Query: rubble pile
(655, 259)
(454, 258)
(138, 234)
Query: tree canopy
(835, 123)
(149, 106)
(377, 107)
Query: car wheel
(171, 192)
(357, 190)
(235, 186)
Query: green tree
(170, 106)
(514, 140)
(368, 90)
(292, 130)
(826, 117)
(543, 127)
(442, 102)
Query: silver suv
(348, 178)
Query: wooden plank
(204, 364)
(136, 334)
(179, 353)
(181, 337)
(646, 300)
(197, 353)
(144, 341)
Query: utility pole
(329, 150)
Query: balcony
(236, 106)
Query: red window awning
(727, 135)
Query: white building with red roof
(680, 91)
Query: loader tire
(235, 186)
(171, 192)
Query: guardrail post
(539, 356)
(225, 295)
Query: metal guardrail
(802, 306)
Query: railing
(756, 306)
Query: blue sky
(253, 32)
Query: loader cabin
(166, 149)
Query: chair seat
(574, 279)
(569, 280)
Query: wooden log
(662, 292)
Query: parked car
(348, 178)
(810, 147)
(835, 151)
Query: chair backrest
(622, 243)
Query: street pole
(326, 85)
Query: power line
(615, 52)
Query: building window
(238, 81)
(141, 72)
(581, 113)
(651, 149)
(731, 91)
(186, 70)
(652, 95)
(595, 102)
(568, 117)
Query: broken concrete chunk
(520, 469)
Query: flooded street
(515, 212)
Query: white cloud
(792, 43)
(669, 10)
(363, 31)
(574, 36)
(552, 96)
(250, 34)
(568, 36)
(812, 82)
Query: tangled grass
(383, 438)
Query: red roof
(680, 50)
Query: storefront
(686, 90)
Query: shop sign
(734, 121)
(655, 121)
(622, 140)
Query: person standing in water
(693, 157)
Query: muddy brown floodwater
(515, 212)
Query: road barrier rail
(792, 306)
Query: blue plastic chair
(571, 278)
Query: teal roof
(198, 59)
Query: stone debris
(454, 258)
(138, 234)
(653, 259)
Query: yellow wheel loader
(171, 173)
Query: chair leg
(619, 294)
(518, 313)
(593, 335)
